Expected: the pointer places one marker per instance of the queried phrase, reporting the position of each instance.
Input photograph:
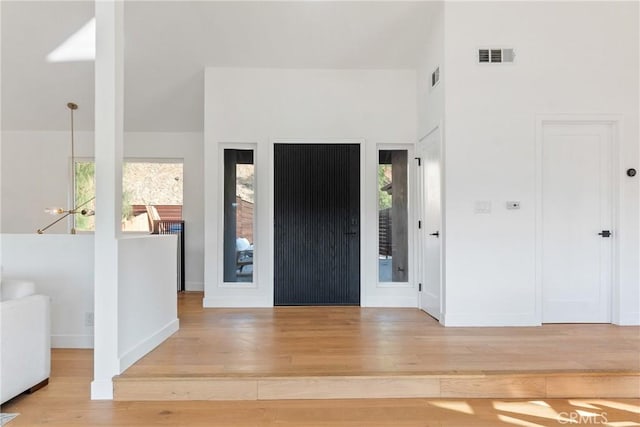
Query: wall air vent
(435, 77)
(495, 56)
(508, 55)
(483, 55)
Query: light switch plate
(483, 207)
(88, 319)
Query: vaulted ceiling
(169, 43)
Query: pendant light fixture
(75, 210)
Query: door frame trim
(615, 122)
(442, 238)
(270, 256)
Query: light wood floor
(65, 402)
(315, 341)
(353, 352)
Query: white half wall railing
(147, 295)
(62, 267)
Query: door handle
(605, 233)
(437, 234)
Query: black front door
(317, 224)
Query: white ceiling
(169, 43)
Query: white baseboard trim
(236, 302)
(257, 302)
(484, 319)
(386, 301)
(629, 319)
(71, 341)
(194, 286)
(102, 390)
(148, 344)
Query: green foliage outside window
(384, 178)
(85, 190)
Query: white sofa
(25, 338)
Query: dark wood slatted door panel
(317, 224)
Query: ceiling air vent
(435, 77)
(495, 56)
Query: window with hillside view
(150, 191)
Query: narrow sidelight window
(393, 239)
(239, 201)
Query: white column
(1, 268)
(109, 75)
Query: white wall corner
(102, 390)
(443, 318)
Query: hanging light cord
(74, 210)
(72, 107)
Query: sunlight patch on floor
(583, 404)
(539, 409)
(458, 406)
(611, 404)
(517, 422)
(622, 424)
(540, 403)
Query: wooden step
(604, 384)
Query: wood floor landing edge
(461, 385)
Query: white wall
(147, 298)
(61, 266)
(572, 57)
(36, 170)
(35, 175)
(260, 106)
(1, 145)
(430, 100)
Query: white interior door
(431, 216)
(576, 215)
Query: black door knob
(437, 234)
(605, 233)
